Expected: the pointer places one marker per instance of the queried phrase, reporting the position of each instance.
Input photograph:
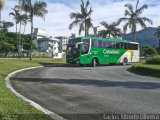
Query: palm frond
(125, 27)
(74, 23)
(142, 23)
(140, 10)
(123, 19)
(147, 20)
(13, 14)
(87, 4)
(102, 33)
(81, 27)
(90, 12)
(104, 24)
(39, 9)
(89, 23)
(127, 13)
(130, 7)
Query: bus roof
(109, 39)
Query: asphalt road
(86, 93)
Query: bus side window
(122, 45)
(104, 44)
(125, 45)
(135, 46)
(113, 45)
(118, 45)
(85, 46)
(100, 44)
(109, 44)
(95, 43)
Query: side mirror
(79, 43)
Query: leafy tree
(5, 26)
(5, 47)
(157, 34)
(33, 9)
(82, 18)
(133, 18)
(110, 30)
(149, 51)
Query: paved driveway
(86, 93)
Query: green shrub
(149, 51)
(153, 60)
(158, 50)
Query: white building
(49, 45)
(38, 33)
(63, 42)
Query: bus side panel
(86, 59)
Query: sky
(57, 20)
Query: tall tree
(133, 18)
(2, 4)
(83, 18)
(16, 16)
(110, 30)
(157, 34)
(38, 8)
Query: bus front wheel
(125, 61)
(94, 62)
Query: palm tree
(82, 19)
(110, 30)
(157, 34)
(2, 4)
(25, 19)
(33, 9)
(16, 17)
(133, 18)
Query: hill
(145, 37)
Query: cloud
(57, 20)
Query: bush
(153, 60)
(158, 50)
(149, 51)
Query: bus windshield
(71, 47)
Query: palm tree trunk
(85, 28)
(20, 39)
(134, 36)
(0, 14)
(134, 33)
(31, 35)
(23, 34)
(24, 29)
(17, 35)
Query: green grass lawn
(146, 69)
(10, 105)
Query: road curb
(32, 103)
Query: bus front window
(85, 46)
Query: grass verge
(146, 69)
(11, 107)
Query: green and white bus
(95, 51)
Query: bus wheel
(125, 61)
(94, 62)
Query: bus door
(85, 49)
(136, 53)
